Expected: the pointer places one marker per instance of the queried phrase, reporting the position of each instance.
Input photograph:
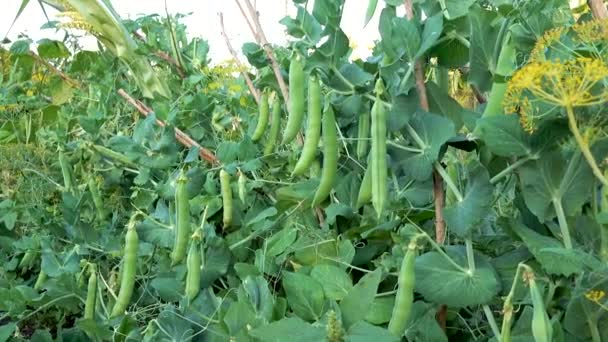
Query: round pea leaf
(442, 282)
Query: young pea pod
(89, 306)
(275, 126)
(226, 191)
(193, 265)
(296, 99)
(128, 271)
(66, 171)
(542, 329)
(379, 172)
(182, 220)
(263, 110)
(242, 186)
(313, 129)
(365, 190)
(330, 157)
(363, 135)
(96, 196)
(42, 276)
(404, 300)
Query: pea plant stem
(584, 146)
(563, 224)
(490, 316)
(512, 167)
(448, 180)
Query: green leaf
(304, 25)
(237, 317)
(441, 102)
(6, 331)
(456, 8)
(365, 332)
(549, 252)
(294, 327)
(503, 135)
(399, 36)
(433, 27)
(403, 108)
(433, 130)
(280, 241)
(304, 295)
(443, 283)
(542, 182)
(369, 13)
(381, 310)
(255, 290)
(358, 300)
(355, 74)
(463, 216)
(481, 54)
(423, 324)
(48, 49)
(335, 281)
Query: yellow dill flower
(545, 42)
(595, 295)
(591, 31)
(73, 20)
(565, 84)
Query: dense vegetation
(452, 185)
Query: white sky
(204, 21)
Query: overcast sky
(203, 22)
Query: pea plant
(452, 185)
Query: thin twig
(165, 56)
(438, 193)
(260, 37)
(598, 9)
(244, 14)
(182, 137)
(72, 82)
(240, 65)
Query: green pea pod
(89, 306)
(96, 196)
(262, 117)
(365, 190)
(313, 129)
(296, 99)
(27, 260)
(226, 197)
(275, 126)
(363, 135)
(128, 271)
(42, 276)
(404, 299)
(66, 171)
(330, 157)
(193, 266)
(242, 186)
(182, 220)
(542, 329)
(379, 172)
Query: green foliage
(78, 163)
